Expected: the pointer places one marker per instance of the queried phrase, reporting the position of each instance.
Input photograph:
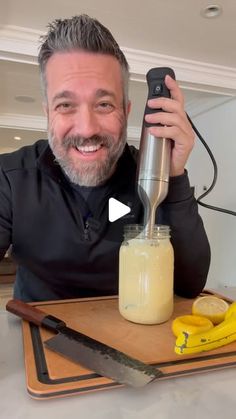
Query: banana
(220, 335)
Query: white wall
(218, 128)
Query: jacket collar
(47, 163)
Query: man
(54, 197)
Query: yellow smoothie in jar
(146, 280)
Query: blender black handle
(157, 87)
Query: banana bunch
(220, 335)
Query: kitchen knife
(90, 353)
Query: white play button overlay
(116, 209)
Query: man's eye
(64, 107)
(105, 106)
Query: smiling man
(54, 194)
(86, 114)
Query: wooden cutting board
(50, 375)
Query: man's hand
(176, 125)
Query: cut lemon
(231, 310)
(213, 308)
(190, 324)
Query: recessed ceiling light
(212, 11)
(24, 99)
(17, 138)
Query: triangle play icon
(116, 209)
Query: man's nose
(86, 122)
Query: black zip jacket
(64, 245)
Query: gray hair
(80, 33)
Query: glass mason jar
(146, 271)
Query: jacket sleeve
(5, 214)
(191, 247)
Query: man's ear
(128, 108)
(45, 108)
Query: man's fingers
(175, 91)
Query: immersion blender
(154, 154)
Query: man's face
(86, 116)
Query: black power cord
(226, 211)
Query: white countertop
(201, 396)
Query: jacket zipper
(86, 230)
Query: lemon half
(191, 324)
(213, 308)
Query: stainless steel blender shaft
(154, 156)
(153, 178)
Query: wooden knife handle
(34, 315)
(26, 311)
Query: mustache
(78, 141)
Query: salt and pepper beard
(88, 173)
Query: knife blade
(92, 354)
